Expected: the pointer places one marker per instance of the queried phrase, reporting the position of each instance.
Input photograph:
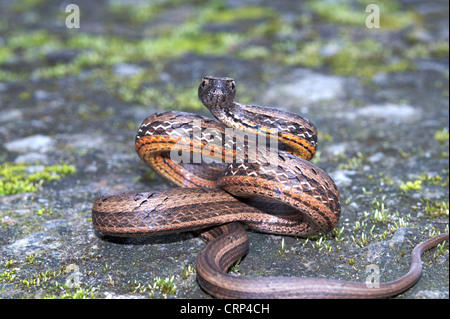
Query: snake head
(217, 94)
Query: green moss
(171, 97)
(324, 136)
(392, 16)
(56, 71)
(33, 46)
(44, 211)
(136, 14)
(5, 54)
(423, 179)
(360, 58)
(100, 52)
(411, 185)
(363, 58)
(79, 293)
(10, 185)
(338, 12)
(15, 179)
(442, 135)
(186, 38)
(7, 276)
(6, 76)
(32, 40)
(219, 13)
(307, 54)
(254, 52)
(25, 5)
(440, 49)
(46, 284)
(366, 58)
(354, 162)
(93, 111)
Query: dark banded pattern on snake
(305, 200)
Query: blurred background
(74, 89)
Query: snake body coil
(270, 189)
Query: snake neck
(227, 114)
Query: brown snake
(220, 198)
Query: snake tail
(230, 244)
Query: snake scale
(225, 183)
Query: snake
(250, 169)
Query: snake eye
(204, 83)
(232, 85)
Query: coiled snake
(189, 150)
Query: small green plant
(80, 293)
(423, 178)
(441, 250)
(337, 233)
(442, 135)
(44, 211)
(411, 185)
(165, 286)
(436, 208)
(397, 224)
(7, 276)
(362, 241)
(354, 162)
(235, 267)
(106, 268)
(40, 278)
(187, 271)
(371, 232)
(380, 212)
(137, 287)
(30, 259)
(282, 251)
